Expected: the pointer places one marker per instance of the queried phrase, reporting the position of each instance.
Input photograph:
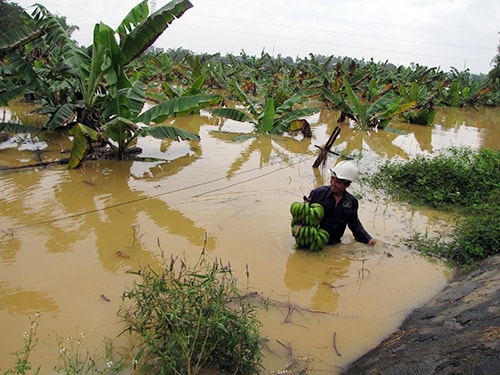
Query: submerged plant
(87, 90)
(191, 318)
(269, 116)
(374, 107)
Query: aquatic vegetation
(458, 179)
(190, 318)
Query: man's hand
(372, 242)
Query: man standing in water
(341, 207)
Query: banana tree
(424, 111)
(463, 89)
(104, 103)
(195, 82)
(264, 115)
(374, 108)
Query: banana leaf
(232, 114)
(146, 32)
(136, 15)
(31, 79)
(338, 100)
(196, 86)
(81, 136)
(266, 120)
(170, 91)
(422, 116)
(62, 116)
(127, 103)
(8, 93)
(283, 123)
(11, 38)
(14, 128)
(57, 37)
(175, 106)
(194, 89)
(359, 108)
(136, 97)
(122, 131)
(20, 64)
(288, 104)
(383, 105)
(167, 132)
(249, 104)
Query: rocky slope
(457, 332)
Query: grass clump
(192, 318)
(461, 179)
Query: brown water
(69, 237)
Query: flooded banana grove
(70, 238)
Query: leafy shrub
(463, 179)
(477, 236)
(455, 177)
(192, 318)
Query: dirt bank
(457, 332)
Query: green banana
(309, 235)
(325, 236)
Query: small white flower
(109, 364)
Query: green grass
(455, 178)
(461, 180)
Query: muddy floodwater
(69, 238)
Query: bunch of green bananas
(306, 218)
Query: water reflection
(97, 203)
(269, 148)
(319, 273)
(22, 301)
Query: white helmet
(345, 170)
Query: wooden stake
(326, 148)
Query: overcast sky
(434, 33)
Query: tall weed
(190, 318)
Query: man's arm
(358, 231)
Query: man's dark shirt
(337, 217)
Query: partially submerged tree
(374, 107)
(86, 89)
(264, 114)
